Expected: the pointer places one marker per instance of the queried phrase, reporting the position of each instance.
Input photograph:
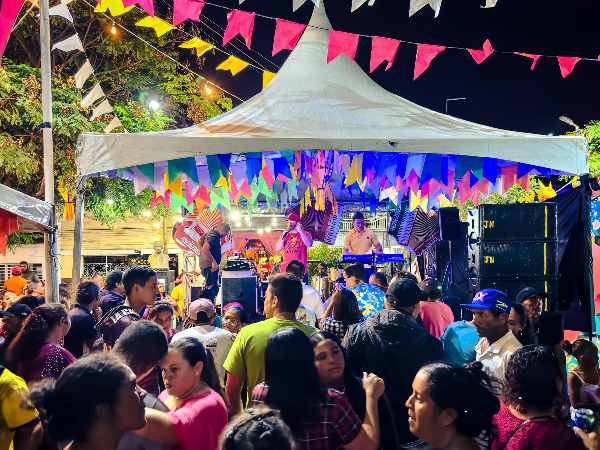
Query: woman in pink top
(532, 383)
(194, 396)
(435, 314)
(36, 352)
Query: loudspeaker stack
(512, 246)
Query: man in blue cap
(490, 317)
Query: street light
(570, 122)
(153, 105)
(453, 100)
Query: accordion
(416, 230)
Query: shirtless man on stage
(361, 240)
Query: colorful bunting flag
(340, 42)
(239, 22)
(186, 9)
(298, 3)
(233, 64)
(529, 55)
(425, 54)
(181, 166)
(94, 94)
(146, 5)
(481, 55)
(567, 64)
(101, 109)
(9, 10)
(69, 44)
(113, 124)
(115, 6)
(287, 35)
(61, 11)
(267, 77)
(201, 46)
(160, 26)
(383, 49)
(416, 5)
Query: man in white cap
(216, 340)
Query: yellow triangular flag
(160, 26)
(444, 202)
(233, 64)
(223, 182)
(116, 7)
(352, 175)
(175, 186)
(267, 77)
(201, 46)
(416, 200)
(307, 197)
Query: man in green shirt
(246, 359)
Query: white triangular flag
(490, 3)
(356, 4)
(83, 74)
(416, 5)
(113, 124)
(62, 11)
(299, 3)
(92, 96)
(66, 2)
(69, 44)
(371, 2)
(102, 108)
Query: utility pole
(50, 243)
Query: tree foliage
(131, 74)
(592, 132)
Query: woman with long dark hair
(92, 404)
(451, 405)
(198, 412)
(532, 385)
(341, 313)
(36, 352)
(519, 324)
(317, 417)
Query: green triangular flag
(147, 170)
(177, 202)
(219, 196)
(178, 167)
(123, 170)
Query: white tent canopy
(32, 214)
(313, 105)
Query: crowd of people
(381, 364)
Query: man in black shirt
(82, 335)
(211, 255)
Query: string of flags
(73, 43)
(317, 177)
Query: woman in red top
(36, 352)
(194, 396)
(532, 384)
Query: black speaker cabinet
(240, 290)
(449, 223)
(514, 259)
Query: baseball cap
(201, 310)
(404, 293)
(432, 287)
(293, 218)
(16, 270)
(490, 299)
(16, 310)
(529, 292)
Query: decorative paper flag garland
(267, 77)
(115, 6)
(383, 49)
(416, 5)
(69, 44)
(9, 10)
(83, 74)
(233, 64)
(239, 22)
(287, 35)
(113, 124)
(201, 46)
(358, 3)
(340, 42)
(94, 94)
(146, 5)
(61, 11)
(186, 9)
(567, 64)
(298, 3)
(425, 54)
(160, 26)
(481, 55)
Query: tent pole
(50, 247)
(78, 235)
(587, 236)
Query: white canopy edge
(33, 214)
(311, 105)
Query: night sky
(502, 92)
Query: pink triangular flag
(239, 22)
(9, 10)
(481, 55)
(567, 64)
(340, 42)
(186, 9)
(529, 55)
(245, 188)
(383, 49)
(425, 54)
(286, 35)
(146, 5)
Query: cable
(164, 54)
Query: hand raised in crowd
(589, 440)
(373, 385)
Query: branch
(29, 55)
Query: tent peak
(319, 17)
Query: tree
(130, 73)
(592, 132)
